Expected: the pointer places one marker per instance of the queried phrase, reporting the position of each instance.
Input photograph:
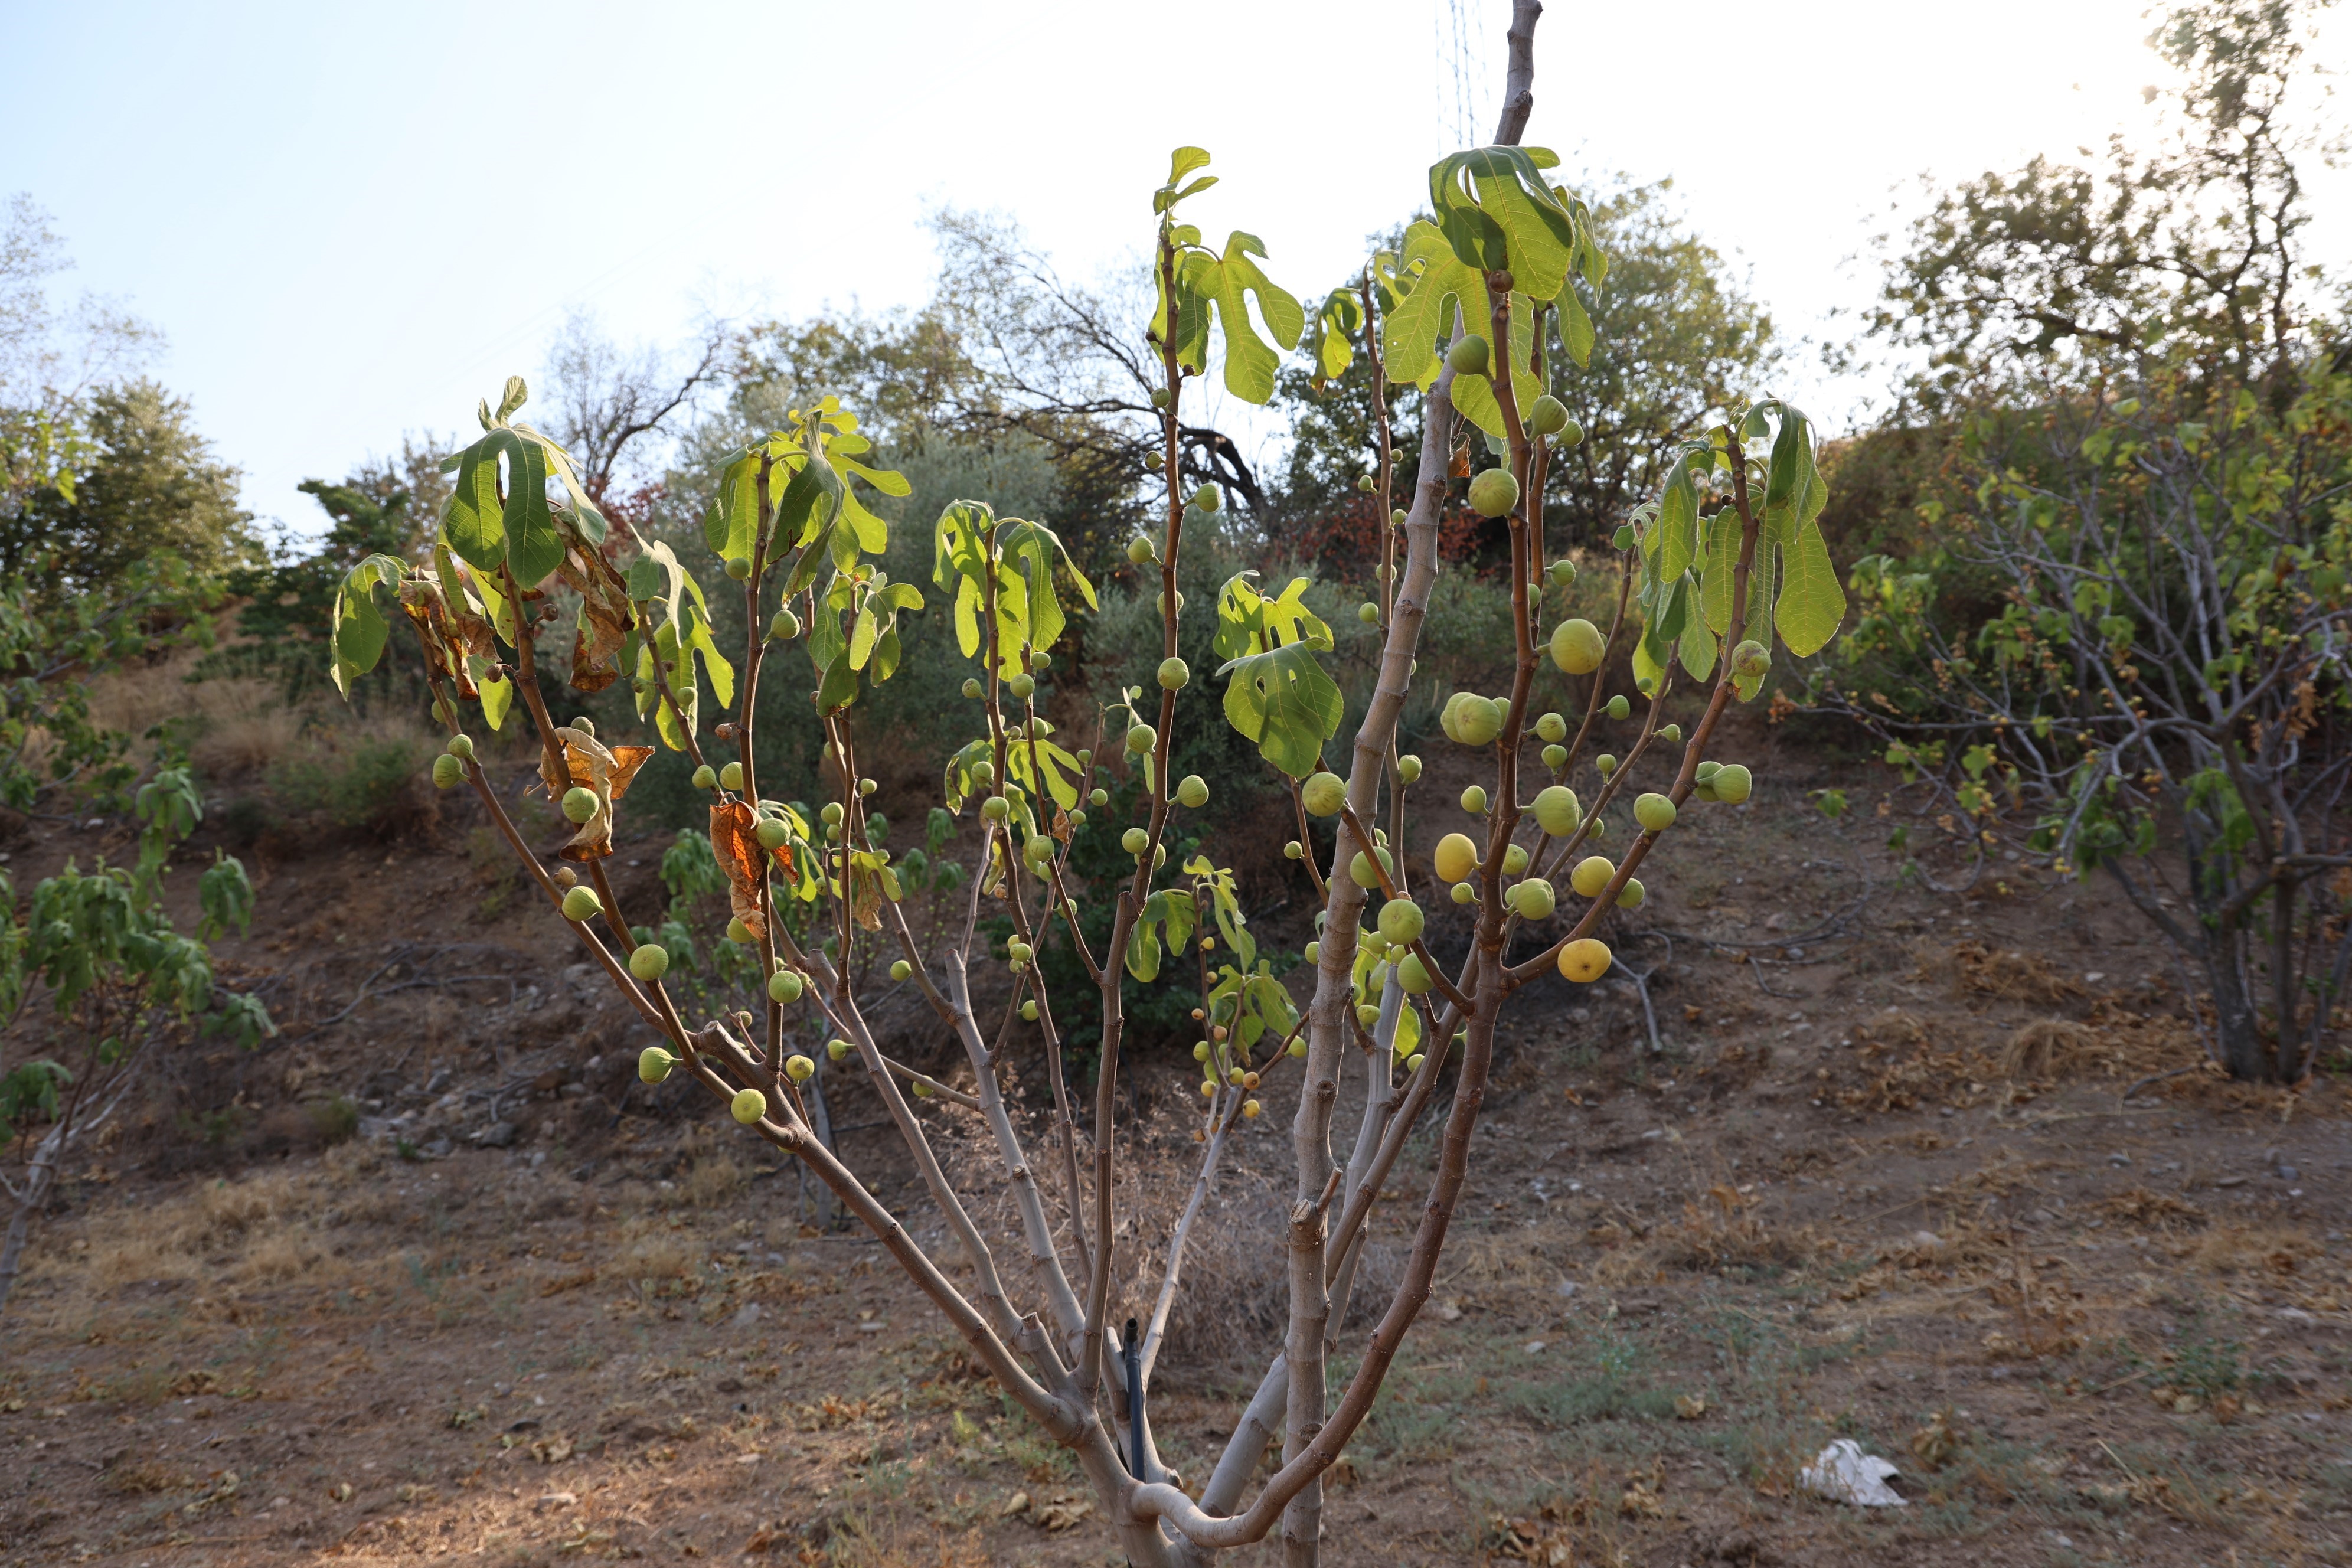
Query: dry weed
(2046, 1048)
(2255, 1249)
(2011, 975)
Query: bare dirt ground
(1901, 1175)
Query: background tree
(120, 985)
(2119, 610)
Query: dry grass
(2274, 1249)
(2047, 1049)
(2011, 975)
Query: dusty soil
(1904, 1175)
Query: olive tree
(1728, 553)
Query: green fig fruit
(1555, 757)
(1369, 613)
(1141, 737)
(1175, 674)
(1732, 784)
(1532, 900)
(1192, 791)
(730, 777)
(1468, 355)
(1515, 859)
(449, 772)
(785, 985)
(1494, 492)
(1022, 685)
(1135, 840)
(1552, 726)
(579, 804)
(1557, 811)
(1409, 768)
(461, 746)
(581, 904)
(1547, 415)
(1325, 795)
(799, 1069)
(1401, 920)
(1361, 872)
(1630, 895)
(653, 1064)
(1619, 707)
(705, 777)
(1456, 859)
(774, 833)
(900, 969)
(650, 962)
(1655, 812)
(1577, 647)
(1591, 876)
(750, 1105)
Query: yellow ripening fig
(748, 1106)
(1577, 647)
(799, 1069)
(1456, 859)
(1585, 959)
(1655, 812)
(1591, 878)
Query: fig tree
(1577, 647)
(1162, 397)
(1532, 900)
(1468, 355)
(1174, 674)
(583, 904)
(731, 776)
(1591, 878)
(1584, 959)
(1557, 811)
(565, 876)
(1655, 812)
(1732, 784)
(1494, 492)
(1456, 859)
(1547, 415)
(1192, 792)
(1324, 794)
(1396, 518)
(799, 1069)
(984, 773)
(750, 1105)
(649, 961)
(1251, 1110)
(449, 772)
(653, 1064)
(1401, 920)
(1409, 768)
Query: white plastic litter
(1843, 1473)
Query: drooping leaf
(1286, 702)
(1812, 600)
(1497, 214)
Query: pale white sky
(353, 220)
